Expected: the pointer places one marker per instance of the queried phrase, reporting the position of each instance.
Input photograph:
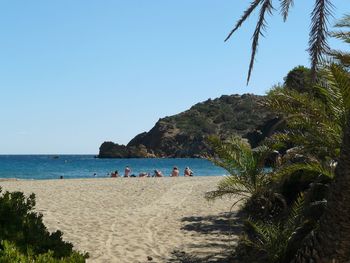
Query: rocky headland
(184, 134)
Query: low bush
(10, 253)
(25, 230)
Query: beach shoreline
(130, 219)
(107, 177)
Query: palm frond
(344, 22)
(259, 29)
(229, 186)
(341, 35)
(261, 153)
(294, 104)
(341, 81)
(318, 44)
(295, 213)
(234, 155)
(337, 90)
(341, 57)
(319, 168)
(245, 165)
(273, 238)
(285, 6)
(316, 123)
(246, 14)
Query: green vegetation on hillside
(185, 134)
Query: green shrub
(24, 228)
(10, 254)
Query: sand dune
(130, 219)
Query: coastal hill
(184, 134)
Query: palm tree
(331, 241)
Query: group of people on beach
(157, 173)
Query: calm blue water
(85, 166)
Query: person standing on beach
(127, 171)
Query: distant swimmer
(188, 172)
(127, 171)
(175, 172)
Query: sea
(41, 167)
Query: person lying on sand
(175, 172)
(143, 174)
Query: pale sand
(128, 219)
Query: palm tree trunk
(331, 241)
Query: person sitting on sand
(188, 172)
(175, 172)
(127, 171)
(157, 173)
(115, 174)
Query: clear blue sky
(75, 73)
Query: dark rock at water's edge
(184, 134)
(114, 150)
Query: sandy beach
(131, 219)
